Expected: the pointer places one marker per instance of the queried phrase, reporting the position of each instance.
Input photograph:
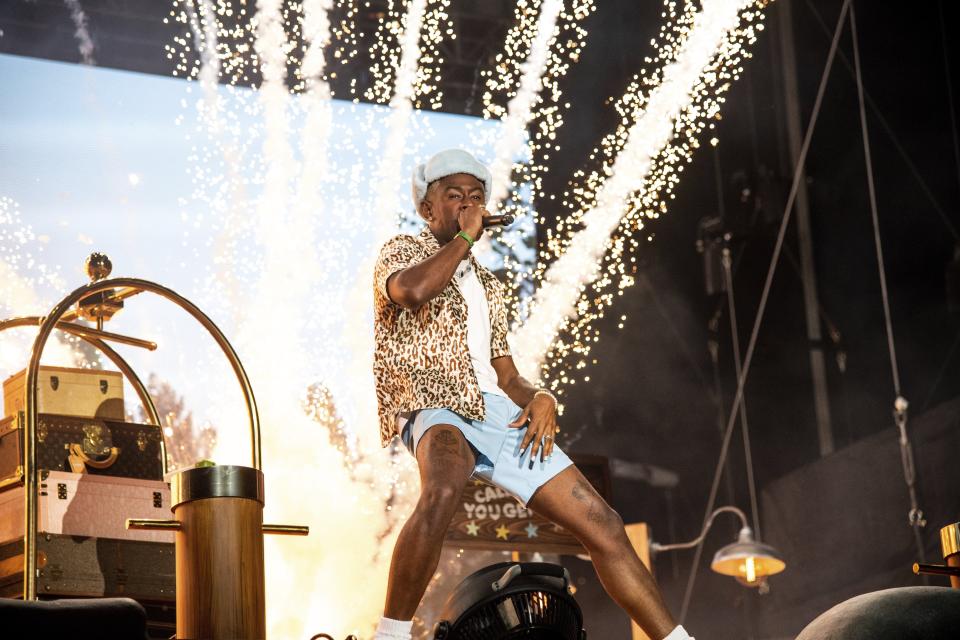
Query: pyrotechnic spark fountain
(272, 48)
(520, 170)
(82, 31)
(268, 187)
(417, 33)
(407, 43)
(702, 53)
(345, 507)
(203, 26)
(289, 270)
(401, 104)
(316, 130)
(520, 107)
(316, 32)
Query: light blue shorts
(495, 445)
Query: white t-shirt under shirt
(478, 327)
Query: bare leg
(446, 462)
(571, 502)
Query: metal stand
(98, 301)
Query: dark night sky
(651, 399)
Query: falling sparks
(405, 59)
(25, 287)
(531, 86)
(203, 28)
(664, 111)
(316, 129)
(262, 193)
(267, 187)
(401, 103)
(316, 27)
(520, 107)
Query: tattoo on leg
(446, 437)
(446, 445)
(596, 514)
(581, 490)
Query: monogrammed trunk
(89, 445)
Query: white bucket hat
(446, 163)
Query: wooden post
(220, 579)
(219, 552)
(639, 535)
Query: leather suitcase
(89, 445)
(86, 505)
(89, 393)
(74, 566)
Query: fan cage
(529, 614)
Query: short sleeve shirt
(422, 358)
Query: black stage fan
(511, 600)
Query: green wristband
(465, 236)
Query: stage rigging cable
(915, 515)
(737, 360)
(751, 345)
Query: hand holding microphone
(470, 220)
(467, 220)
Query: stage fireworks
(281, 223)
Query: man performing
(447, 385)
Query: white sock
(389, 629)
(679, 633)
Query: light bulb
(751, 570)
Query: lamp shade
(747, 560)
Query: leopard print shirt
(421, 359)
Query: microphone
(504, 220)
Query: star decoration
(472, 528)
(502, 532)
(531, 530)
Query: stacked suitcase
(96, 470)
